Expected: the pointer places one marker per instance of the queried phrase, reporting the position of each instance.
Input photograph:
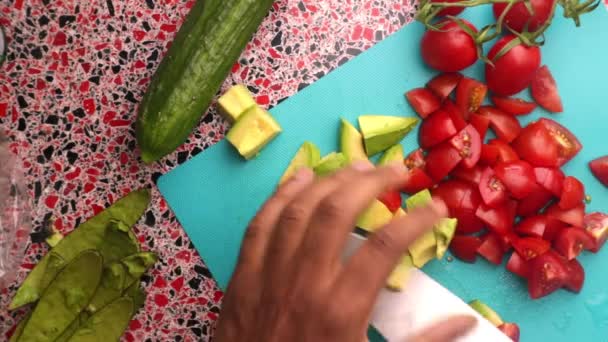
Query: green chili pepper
(19, 329)
(138, 295)
(107, 324)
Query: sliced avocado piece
(351, 142)
(375, 217)
(419, 199)
(330, 164)
(235, 102)
(398, 278)
(307, 156)
(486, 312)
(255, 128)
(424, 249)
(399, 213)
(393, 155)
(381, 132)
(444, 232)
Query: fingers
(259, 232)
(368, 269)
(337, 213)
(447, 330)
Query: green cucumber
(213, 36)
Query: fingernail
(362, 165)
(439, 207)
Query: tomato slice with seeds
(570, 242)
(506, 154)
(531, 247)
(517, 176)
(599, 168)
(513, 106)
(423, 101)
(481, 124)
(573, 193)
(574, 217)
(533, 226)
(536, 145)
(576, 276)
(518, 265)
(465, 247)
(492, 190)
(470, 94)
(472, 175)
(437, 128)
(548, 273)
(417, 179)
(444, 84)
(551, 179)
(544, 91)
(391, 199)
(538, 199)
(500, 220)
(462, 199)
(569, 145)
(491, 249)
(596, 224)
(505, 126)
(442, 159)
(455, 114)
(468, 144)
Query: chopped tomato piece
(437, 128)
(491, 249)
(531, 247)
(544, 91)
(489, 154)
(518, 265)
(552, 228)
(465, 247)
(468, 222)
(511, 330)
(455, 114)
(417, 179)
(462, 199)
(538, 199)
(573, 193)
(599, 168)
(517, 176)
(391, 199)
(506, 241)
(492, 190)
(470, 94)
(536, 145)
(481, 124)
(574, 217)
(415, 160)
(514, 106)
(468, 144)
(500, 220)
(505, 126)
(548, 273)
(532, 226)
(576, 276)
(423, 101)
(472, 175)
(444, 84)
(570, 242)
(597, 226)
(569, 145)
(505, 152)
(441, 160)
(551, 179)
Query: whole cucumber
(213, 36)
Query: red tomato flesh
(573, 193)
(519, 16)
(517, 176)
(505, 153)
(514, 70)
(444, 84)
(468, 144)
(574, 217)
(599, 168)
(544, 91)
(417, 179)
(511, 330)
(470, 94)
(481, 124)
(552, 179)
(391, 199)
(513, 106)
(450, 49)
(548, 273)
(534, 202)
(596, 224)
(455, 114)
(505, 126)
(472, 175)
(536, 145)
(462, 199)
(553, 228)
(533, 226)
(491, 249)
(570, 242)
(500, 220)
(436, 128)
(442, 159)
(454, 11)
(518, 265)
(576, 276)
(531, 247)
(492, 190)
(423, 101)
(569, 145)
(489, 155)
(465, 247)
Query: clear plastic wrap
(15, 219)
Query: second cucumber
(213, 36)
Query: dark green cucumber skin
(213, 36)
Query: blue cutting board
(216, 193)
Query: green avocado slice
(393, 155)
(330, 164)
(351, 142)
(253, 131)
(444, 232)
(307, 156)
(374, 217)
(486, 312)
(381, 132)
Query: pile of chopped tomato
(510, 197)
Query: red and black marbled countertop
(68, 96)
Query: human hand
(291, 284)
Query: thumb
(447, 330)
